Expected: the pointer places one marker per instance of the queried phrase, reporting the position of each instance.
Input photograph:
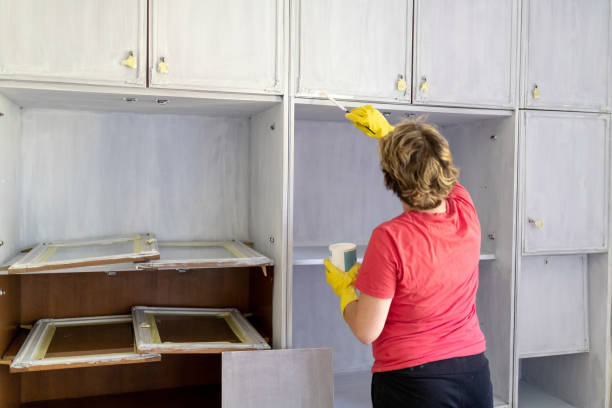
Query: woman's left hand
(342, 282)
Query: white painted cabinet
(354, 48)
(216, 44)
(565, 182)
(567, 59)
(464, 52)
(73, 41)
(553, 312)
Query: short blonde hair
(417, 164)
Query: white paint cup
(343, 255)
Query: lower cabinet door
(286, 378)
(553, 306)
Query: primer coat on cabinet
(89, 174)
(73, 41)
(216, 44)
(553, 315)
(277, 379)
(10, 148)
(465, 51)
(567, 53)
(565, 182)
(354, 48)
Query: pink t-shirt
(428, 264)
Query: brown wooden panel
(185, 329)
(97, 294)
(9, 388)
(187, 397)
(16, 344)
(91, 339)
(9, 326)
(172, 372)
(9, 310)
(261, 289)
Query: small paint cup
(343, 255)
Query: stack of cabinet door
(206, 119)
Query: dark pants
(462, 382)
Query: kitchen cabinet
(216, 45)
(464, 52)
(567, 60)
(99, 42)
(354, 49)
(565, 182)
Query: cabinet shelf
(136, 100)
(314, 255)
(204, 396)
(531, 396)
(325, 110)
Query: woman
(419, 277)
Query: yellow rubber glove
(370, 121)
(342, 282)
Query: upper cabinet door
(464, 52)
(216, 44)
(74, 41)
(565, 182)
(297, 378)
(566, 54)
(355, 48)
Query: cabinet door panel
(277, 379)
(464, 51)
(553, 306)
(565, 182)
(354, 48)
(216, 44)
(73, 40)
(566, 49)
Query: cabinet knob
(130, 61)
(402, 85)
(536, 223)
(424, 85)
(162, 67)
(536, 92)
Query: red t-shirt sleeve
(378, 273)
(460, 193)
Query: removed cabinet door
(567, 57)
(93, 42)
(216, 44)
(565, 182)
(464, 52)
(355, 48)
(300, 378)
